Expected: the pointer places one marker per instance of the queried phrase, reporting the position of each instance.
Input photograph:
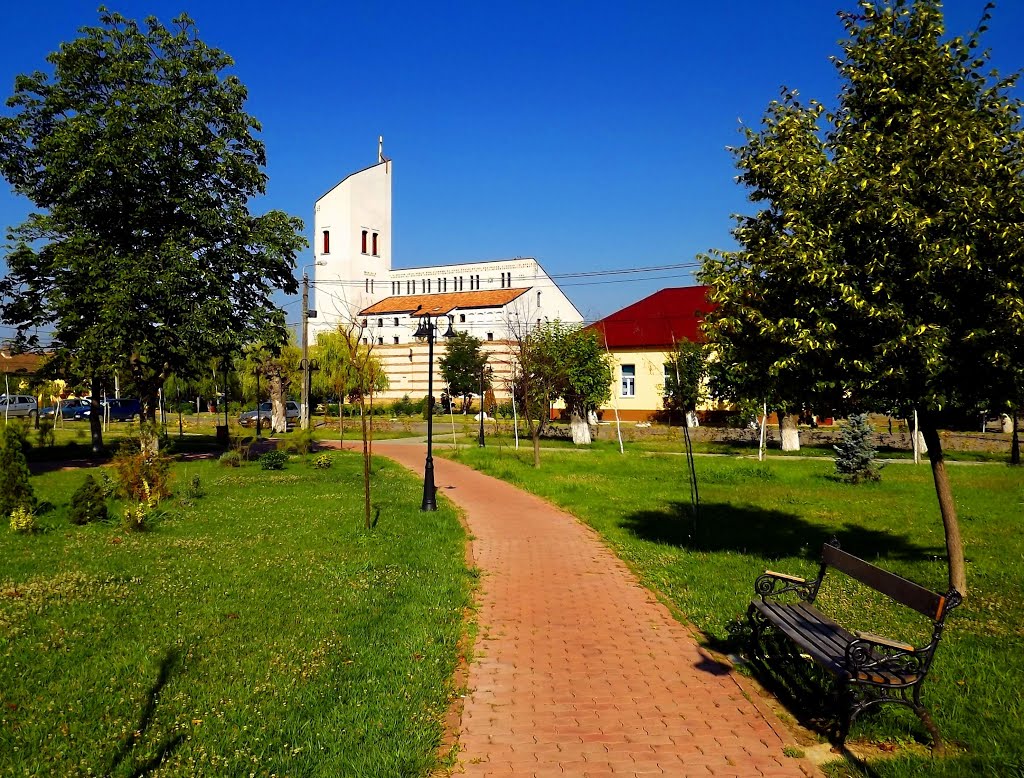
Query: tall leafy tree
(142, 162)
(885, 268)
(461, 365)
(583, 371)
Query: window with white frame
(629, 380)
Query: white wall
(360, 202)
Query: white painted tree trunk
(1007, 424)
(278, 412)
(789, 431)
(692, 420)
(580, 430)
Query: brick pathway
(577, 669)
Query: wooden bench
(870, 669)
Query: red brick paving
(577, 669)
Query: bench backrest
(924, 601)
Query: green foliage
(886, 267)
(230, 459)
(23, 520)
(461, 364)
(855, 452)
(323, 462)
(45, 435)
(301, 442)
(273, 460)
(194, 489)
(138, 516)
(88, 503)
(685, 376)
(142, 475)
(15, 486)
(141, 160)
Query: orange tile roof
(440, 304)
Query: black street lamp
(480, 436)
(428, 330)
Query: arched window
(327, 242)
(375, 252)
(364, 241)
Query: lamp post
(306, 316)
(428, 330)
(480, 436)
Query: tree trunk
(1015, 443)
(1006, 423)
(580, 430)
(788, 430)
(366, 464)
(278, 412)
(95, 416)
(947, 506)
(149, 440)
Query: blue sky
(590, 135)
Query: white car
(18, 405)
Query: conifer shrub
(88, 503)
(855, 452)
(15, 486)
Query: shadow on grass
(167, 667)
(767, 533)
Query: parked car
(116, 410)
(266, 410)
(71, 408)
(18, 405)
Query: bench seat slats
(823, 639)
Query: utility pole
(306, 316)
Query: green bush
(194, 490)
(23, 520)
(273, 460)
(15, 486)
(323, 462)
(44, 435)
(230, 459)
(88, 503)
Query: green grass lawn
(777, 514)
(259, 630)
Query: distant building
(354, 283)
(639, 339)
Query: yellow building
(639, 339)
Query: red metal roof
(657, 321)
(439, 304)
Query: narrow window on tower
(375, 252)
(364, 241)
(327, 242)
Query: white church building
(354, 282)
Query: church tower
(352, 240)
